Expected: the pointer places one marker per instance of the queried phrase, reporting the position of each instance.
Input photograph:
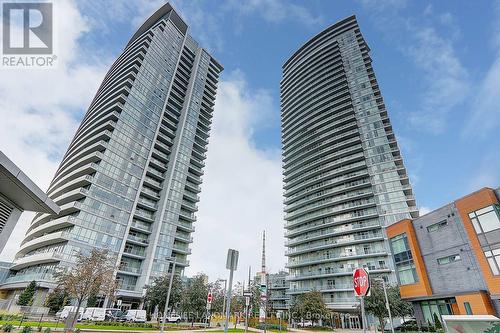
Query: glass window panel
(493, 265)
(484, 210)
(489, 221)
(475, 223)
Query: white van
(137, 316)
(67, 309)
(94, 314)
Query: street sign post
(361, 284)
(231, 264)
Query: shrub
(27, 329)
(46, 330)
(270, 326)
(437, 321)
(77, 330)
(7, 327)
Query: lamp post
(224, 299)
(387, 303)
(173, 261)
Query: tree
(26, 297)
(375, 303)
(309, 305)
(56, 300)
(194, 298)
(401, 308)
(91, 272)
(156, 293)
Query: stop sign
(361, 282)
(209, 298)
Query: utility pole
(168, 295)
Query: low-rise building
(448, 261)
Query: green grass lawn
(238, 330)
(81, 325)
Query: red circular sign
(209, 298)
(361, 282)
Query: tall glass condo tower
(130, 179)
(344, 177)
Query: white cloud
(242, 191)
(424, 210)
(485, 108)
(428, 39)
(487, 173)
(275, 11)
(446, 78)
(204, 18)
(40, 109)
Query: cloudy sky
(438, 65)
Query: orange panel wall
(479, 302)
(422, 287)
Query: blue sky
(437, 63)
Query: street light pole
(224, 300)
(168, 294)
(387, 304)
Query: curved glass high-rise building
(130, 179)
(344, 177)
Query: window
(437, 226)
(486, 219)
(438, 307)
(468, 309)
(493, 258)
(449, 259)
(403, 259)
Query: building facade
(448, 261)
(17, 194)
(344, 177)
(130, 179)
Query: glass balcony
(138, 239)
(323, 233)
(336, 257)
(333, 210)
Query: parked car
(63, 314)
(94, 314)
(114, 315)
(174, 318)
(136, 316)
